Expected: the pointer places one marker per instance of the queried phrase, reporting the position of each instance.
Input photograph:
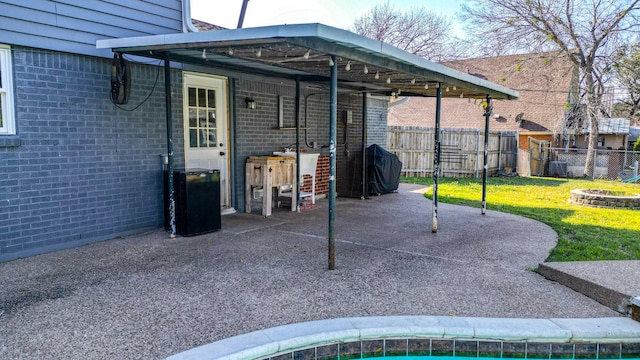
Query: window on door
(202, 118)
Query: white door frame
(216, 156)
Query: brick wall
(84, 170)
(257, 130)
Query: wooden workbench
(269, 172)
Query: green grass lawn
(584, 233)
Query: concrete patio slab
(148, 296)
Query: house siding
(74, 26)
(85, 170)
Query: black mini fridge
(197, 198)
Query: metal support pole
(169, 116)
(363, 192)
(436, 161)
(487, 115)
(243, 11)
(333, 115)
(297, 142)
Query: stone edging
(580, 197)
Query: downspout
(436, 161)
(187, 25)
(169, 117)
(487, 114)
(363, 192)
(333, 108)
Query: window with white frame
(7, 119)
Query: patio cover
(316, 53)
(304, 50)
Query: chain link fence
(609, 164)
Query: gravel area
(148, 297)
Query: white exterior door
(205, 128)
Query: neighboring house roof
(205, 26)
(614, 126)
(543, 81)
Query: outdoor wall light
(251, 103)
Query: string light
(426, 86)
(259, 53)
(437, 85)
(447, 89)
(348, 67)
(331, 63)
(204, 53)
(377, 76)
(413, 81)
(307, 54)
(454, 88)
(461, 95)
(230, 51)
(366, 69)
(389, 80)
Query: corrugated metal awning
(304, 50)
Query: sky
(336, 13)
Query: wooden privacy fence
(462, 151)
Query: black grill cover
(384, 170)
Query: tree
(417, 31)
(627, 71)
(636, 145)
(588, 32)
